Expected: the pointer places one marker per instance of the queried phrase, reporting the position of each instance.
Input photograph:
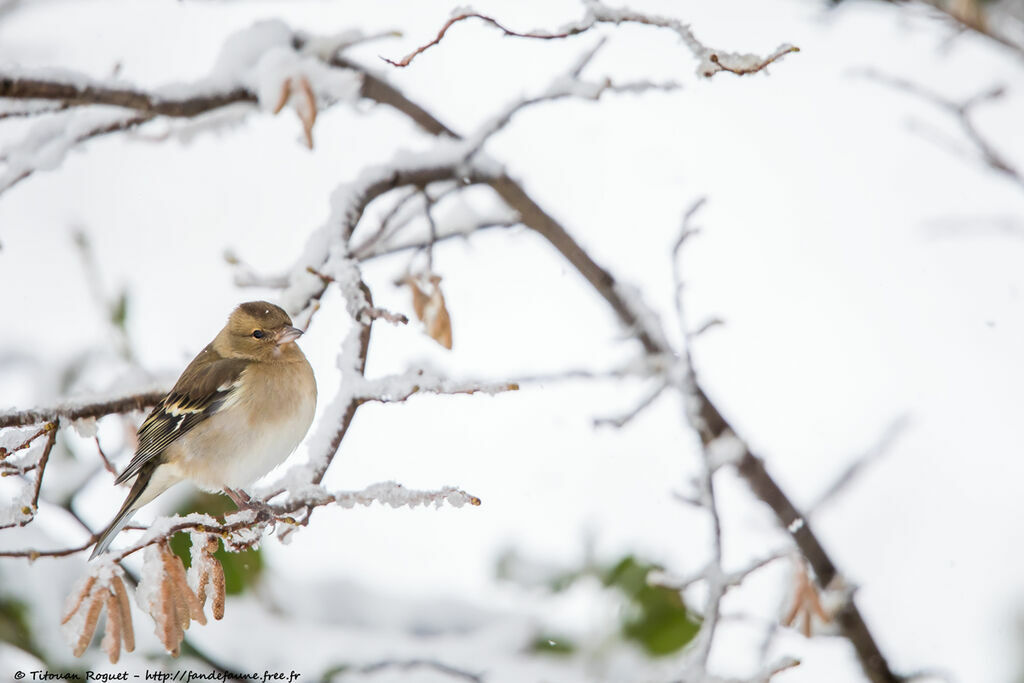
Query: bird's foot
(243, 501)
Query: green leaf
(551, 645)
(14, 626)
(658, 619)
(119, 310)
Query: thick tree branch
(532, 215)
(977, 22)
(350, 411)
(73, 94)
(82, 411)
(750, 467)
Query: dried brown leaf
(286, 93)
(806, 603)
(431, 309)
(438, 323)
(307, 110)
(419, 297)
(794, 610)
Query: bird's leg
(240, 498)
(243, 501)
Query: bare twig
(411, 664)
(880, 448)
(103, 456)
(405, 61)
(623, 420)
(985, 151)
(976, 24)
(51, 438)
(711, 61)
(711, 426)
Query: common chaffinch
(238, 411)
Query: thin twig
(893, 431)
(711, 61)
(405, 61)
(103, 456)
(410, 664)
(623, 420)
(985, 151)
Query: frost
(162, 526)
(395, 495)
(49, 140)
(325, 47)
(85, 428)
(243, 49)
(12, 437)
(147, 593)
(262, 57)
(329, 242)
(726, 449)
(647, 320)
(216, 121)
(18, 510)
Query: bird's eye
(258, 334)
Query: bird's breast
(256, 429)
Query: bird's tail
(137, 497)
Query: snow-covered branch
(81, 410)
(710, 61)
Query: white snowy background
(864, 272)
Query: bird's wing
(203, 388)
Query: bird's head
(258, 330)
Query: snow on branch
(328, 247)
(267, 64)
(21, 509)
(722, 445)
(710, 61)
(50, 140)
(567, 86)
(173, 597)
(82, 410)
(395, 495)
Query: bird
(239, 409)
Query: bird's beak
(288, 334)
